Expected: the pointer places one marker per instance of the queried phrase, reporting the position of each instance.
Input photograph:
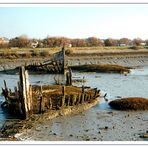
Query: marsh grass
(132, 103)
(101, 68)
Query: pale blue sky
(75, 22)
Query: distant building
(4, 40)
(142, 44)
(70, 45)
(122, 45)
(34, 44)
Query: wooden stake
(74, 100)
(82, 95)
(42, 102)
(23, 93)
(68, 104)
(63, 98)
(50, 103)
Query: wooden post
(89, 97)
(68, 77)
(85, 97)
(42, 102)
(74, 100)
(30, 100)
(50, 103)
(28, 95)
(5, 91)
(82, 95)
(63, 97)
(63, 90)
(25, 97)
(68, 104)
(63, 57)
(79, 98)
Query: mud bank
(103, 126)
(6, 64)
(123, 58)
(14, 130)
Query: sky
(107, 21)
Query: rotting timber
(55, 65)
(32, 99)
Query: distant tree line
(25, 42)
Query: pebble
(106, 127)
(87, 139)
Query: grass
(132, 103)
(27, 52)
(41, 52)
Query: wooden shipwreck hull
(55, 65)
(28, 99)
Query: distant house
(122, 45)
(4, 40)
(34, 44)
(70, 45)
(142, 44)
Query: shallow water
(115, 85)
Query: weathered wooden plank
(25, 94)
(42, 102)
(63, 97)
(50, 103)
